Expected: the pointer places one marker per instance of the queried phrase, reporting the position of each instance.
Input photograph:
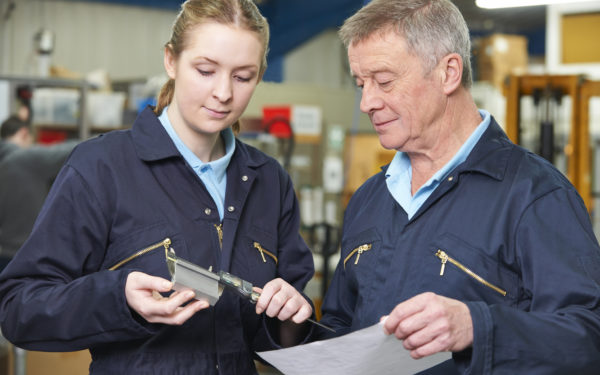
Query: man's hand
(142, 294)
(429, 323)
(280, 299)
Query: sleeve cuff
(478, 359)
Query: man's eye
(384, 84)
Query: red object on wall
(277, 121)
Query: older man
(465, 241)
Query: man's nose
(370, 100)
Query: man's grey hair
(432, 29)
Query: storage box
(498, 56)
(105, 109)
(55, 106)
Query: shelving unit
(578, 150)
(83, 126)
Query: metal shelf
(84, 128)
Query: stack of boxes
(499, 55)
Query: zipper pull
(166, 244)
(260, 249)
(219, 228)
(361, 249)
(444, 258)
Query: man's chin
(387, 143)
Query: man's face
(402, 100)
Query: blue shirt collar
(219, 166)
(399, 172)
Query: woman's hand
(280, 299)
(142, 292)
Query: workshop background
(87, 67)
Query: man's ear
(452, 67)
(23, 137)
(170, 62)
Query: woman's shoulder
(107, 146)
(254, 156)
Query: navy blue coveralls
(518, 225)
(128, 194)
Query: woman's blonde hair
(241, 13)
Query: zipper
(264, 251)
(164, 243)
(219, 228)
(445, 258)
(361, 249)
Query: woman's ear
(170, 62)
(452, 68)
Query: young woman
(93, 273)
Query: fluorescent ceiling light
(492, 4)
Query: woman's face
(215, 76)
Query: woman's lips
(217, 114)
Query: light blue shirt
(213, 174)
(399, 173)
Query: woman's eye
(204, 72)
(243, 79)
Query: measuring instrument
(209, 285)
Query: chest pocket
(144, 250)
(456, 269)
(361, 255)
(257, 257)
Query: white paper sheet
(367, 351)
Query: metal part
(187, 275)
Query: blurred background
(78, 68)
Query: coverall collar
(152, 143)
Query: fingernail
(167, 285)
(190, 294)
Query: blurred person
(26, 174)
(15, 133)
(93, 273)
(466, 242)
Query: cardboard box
(105, 109)
(44, 363)
(499, 55)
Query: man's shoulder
(7, 148)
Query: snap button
(230, 208)
(244, 178)
(450, 178)
(207, 211)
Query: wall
(322, 60)
(126, 41)
(337, 104)
(554, 64)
